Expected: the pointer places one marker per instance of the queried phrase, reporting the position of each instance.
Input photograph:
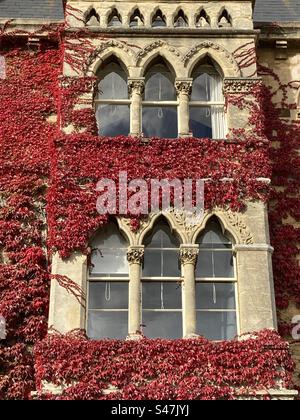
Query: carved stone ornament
(136, 85)
(189, 255)
(184, 86)
(155, 45)
(240, 85)
(237, 223)
(135, 255)
(211, 45)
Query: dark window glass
(217, 325)
(215, 295)
(113, 120)
(108, 310)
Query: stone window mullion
(188, 259)
(135, 257)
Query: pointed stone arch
(163, 49)
(108, 48)
(218, 53)
(231, 222)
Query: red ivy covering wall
(161, 369)
(47, 181)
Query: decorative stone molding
(254, 247)
(189, 254)
(135, 254)
(153, 46)
(238, 224)
(227, 57)
(237, 85)
(136, 85)
(112, 43)
(184, 86)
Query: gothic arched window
(159, 116)
(207, 102)
(216, 284)
(161, 289)
(112, 102)
(107, 315)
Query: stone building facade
(181, 41)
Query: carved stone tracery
(135, 255)
(236, 85)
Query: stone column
(188, 258)
(135, 256)
(68, 293)
(257, 309)
(136, 89)
(183, 89)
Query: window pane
(108, 295)
(113, 120)
(159, 85)
(204, 267)
(170, 265)
(201, 122)
(107, 325)
(152, 263)
(217, 325)
(162, 324)
(201, 88)
(161, 263)
(109, 262)
(161, 295)
(215, 264)
(109, 236)
(215, 296)
(113, 83)
(213, 237)
(161, 237)
(223, 264)
(160, 121)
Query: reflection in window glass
(161, 295)
(166, 325)
(113, 120)
(207, 117)
(108, 295)
(217, 325)
(108, 310)
(160, 121)
(162, 314)
(215, 295)
(215, 257)
(160, 85)
(161, 253)
(201, 122)
(113, 84)
(109, 253)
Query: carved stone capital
(184, 86)
(135, 255)
(136, 85)
(238, 85)
(189, 254)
